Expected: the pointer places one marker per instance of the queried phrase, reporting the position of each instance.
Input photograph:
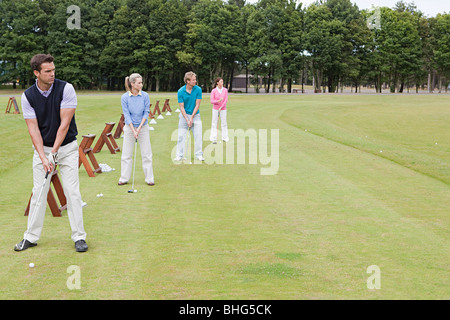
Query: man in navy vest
(48, 108)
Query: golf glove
(53, 158)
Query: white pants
(215, 121)
(68, 168)
(182, 134)
(128, 151)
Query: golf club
(33, 215)
(217, 127)
(134, 169)
(188, 146)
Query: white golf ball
(31, 265)
(135, 191)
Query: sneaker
(23, 245)
(81, 246)
(200, 158)
(178, 158)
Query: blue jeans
(182, 134)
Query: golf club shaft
(188, 146)
(217, 126)
(32, 216)
(134, 165)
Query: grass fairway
(362, 180)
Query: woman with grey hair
(136, 109)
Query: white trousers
(182, 134)
(223, 121)
(68, 168)
(128, 151)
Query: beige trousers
(128, 151)
(68, 168)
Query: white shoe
(178, 158)
(200, 158)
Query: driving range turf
(362, 180)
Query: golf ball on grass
(31, 265)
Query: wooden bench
(107, 137)
(166, 107)
(85, 149)
(52, 203)
(12, 102)
(119, 128)
(156, 109)
(151, 115)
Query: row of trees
(329, 43)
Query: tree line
(329, 44)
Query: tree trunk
(246, 78)
(379, 83)
(230, 89)
(429, 83)
(157, 84)
(317, 80)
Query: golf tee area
(327, 196)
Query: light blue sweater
(135, 108)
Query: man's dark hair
(39, 59)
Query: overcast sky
(429, 7)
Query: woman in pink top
(219, 98)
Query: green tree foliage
(442, 48)
(213, 40)
(23, 28)
(275, 40)
(272, 40)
